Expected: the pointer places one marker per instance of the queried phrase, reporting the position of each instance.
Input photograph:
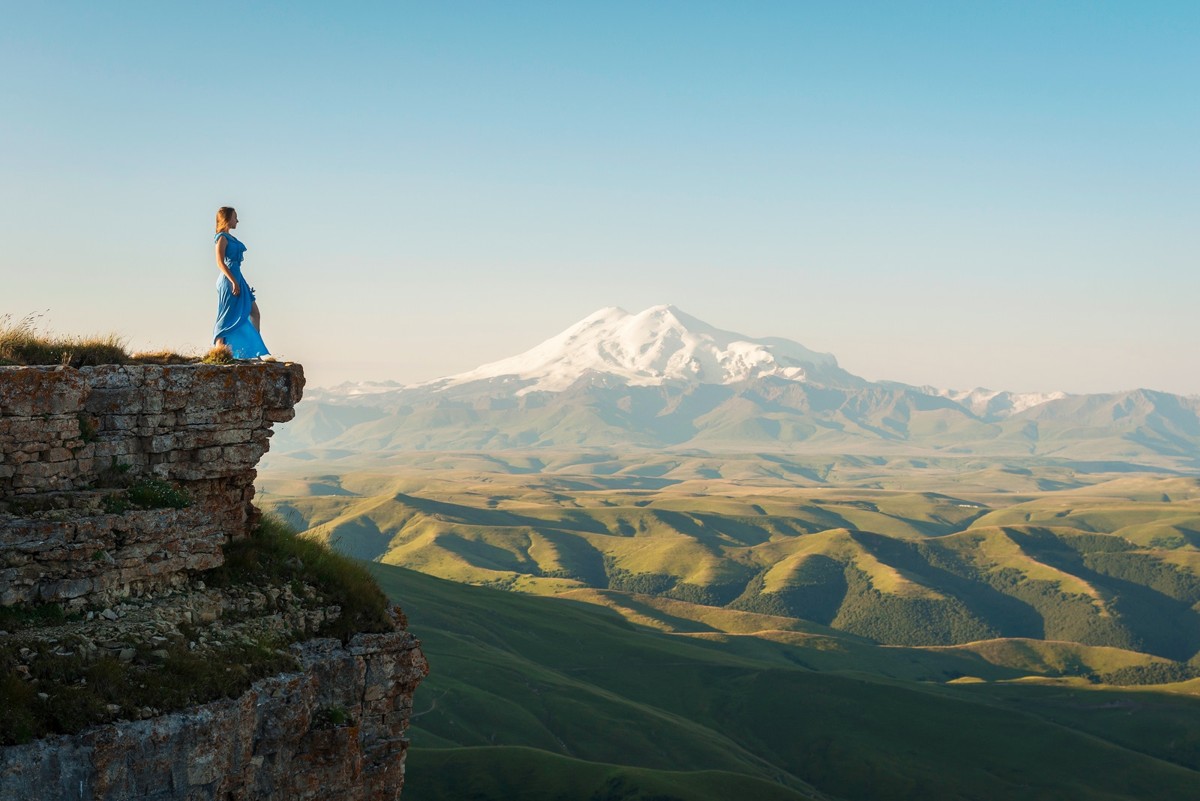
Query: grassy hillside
(500, 772)
(1109, 561)
(537, 697)
(828, 629)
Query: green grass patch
(64, 694)
(451, 774)
(274, 554)
(146, 493)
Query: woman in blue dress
(237, 312)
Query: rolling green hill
(843, 628)
(542, 698)
(1114, 563)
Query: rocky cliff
(332, 729)
(123, 489)
(74, 443)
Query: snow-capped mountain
(662, 379)
(661, 345)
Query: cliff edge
(158, 640)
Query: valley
(1108, 561)
(649, 558)
(547, 698)
(1030, 635)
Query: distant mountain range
(663, 379)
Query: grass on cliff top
(275, 554)
(220, 354)
(23, 343)
(65, 694)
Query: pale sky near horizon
(960, 194)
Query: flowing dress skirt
(233, 319)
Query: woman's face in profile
(233, 221)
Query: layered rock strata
(334, 729)
(72, 440)
(75, 445)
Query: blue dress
(233, 311)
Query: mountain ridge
(661, 344)
(664, 379)
(610, 341)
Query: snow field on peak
(653, 347)
(1002, 403)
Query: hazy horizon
(936, 193)
(325, 375)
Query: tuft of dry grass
(21, 343)
(163, 357)
(220, 354)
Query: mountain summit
(662, 379)
(661, 345)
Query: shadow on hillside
(1008, 616)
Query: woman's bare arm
(221, 241)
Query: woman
(237, 312)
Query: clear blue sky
(1002, 194)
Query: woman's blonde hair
(224, 216)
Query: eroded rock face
(74, 444)
(335, 729)
(70, 439)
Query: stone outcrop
(334, 729)
(73, 440)
(118, 485)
